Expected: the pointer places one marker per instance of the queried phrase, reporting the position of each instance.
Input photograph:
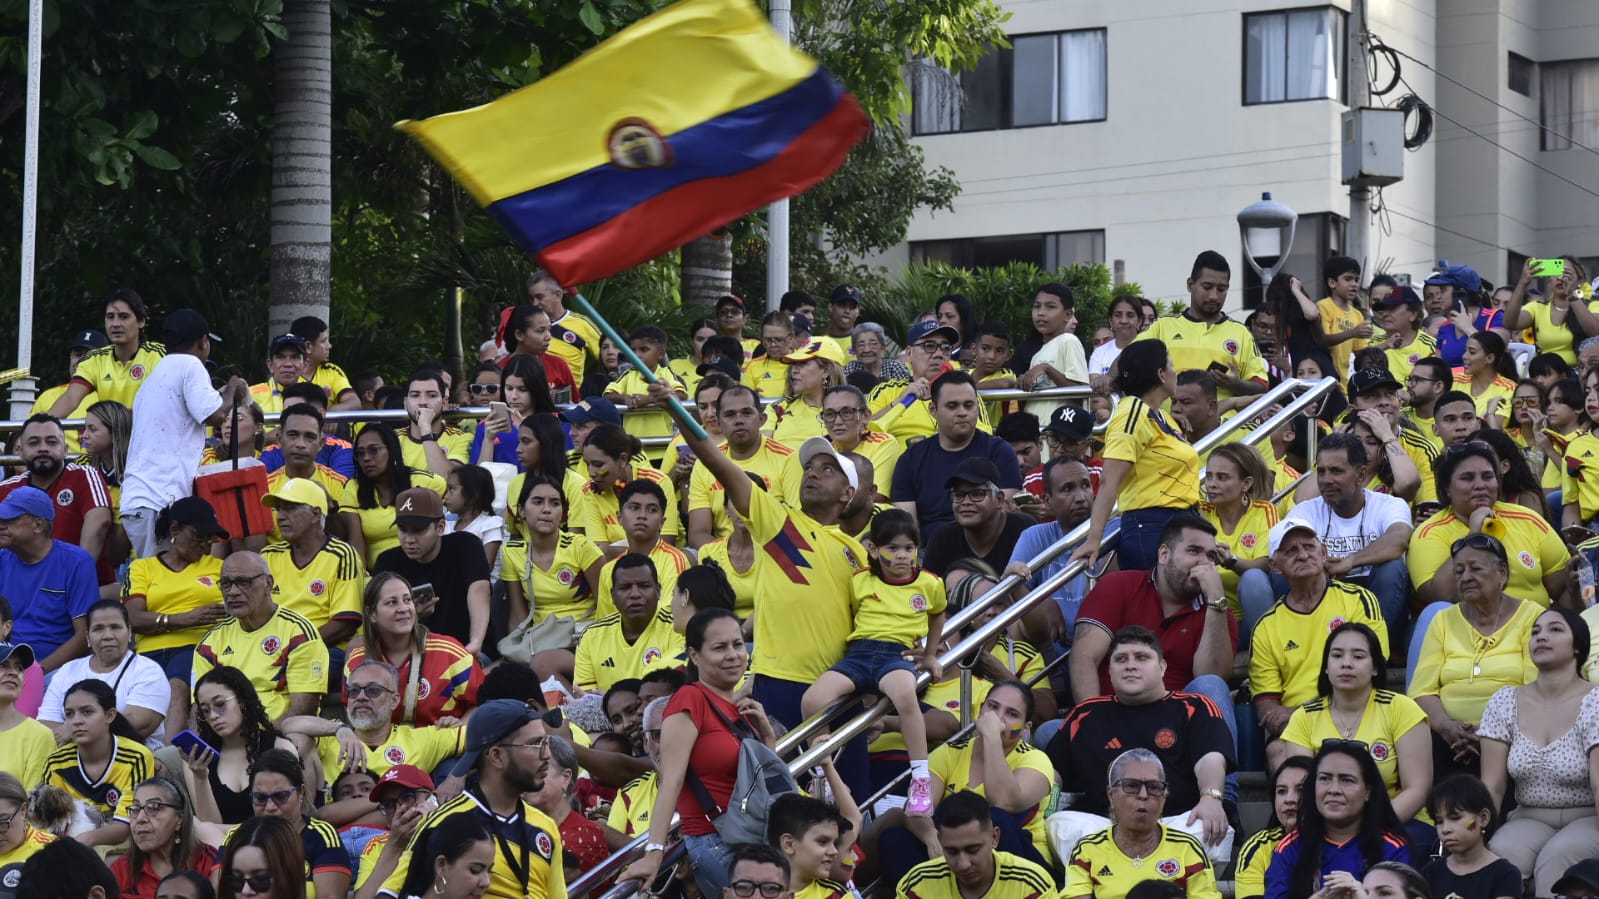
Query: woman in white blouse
(143, 691)
(1542, 736)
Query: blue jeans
(711, 859)
(1140, 536)
(781, 699)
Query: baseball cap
(89, 340)
(1281, 530)
(823, 347)
(922, 330)
(492, 722)
(22, 650)
(720, 365)
(846, 293)
(195, 512)
(1072, 423)
(28, 501)
(593, 408)
(819, 446)
(1583, 874)
(408, 776)
(186, 326)
(418, 507)
(973, 471)
(1368, 379)
(1403, 295)
(802, 324)
(729, 300)
(304, 491)
(286, 340)
(1462, 276)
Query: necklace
(1145, 851)
(1348, 733)
(1486, 641)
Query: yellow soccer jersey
(1423, 427)
(630, 813)
(669, 563)
(767, 377)
(797, 421)
(327, 478)
(32, 841)
(1463, 668)
(109, 378)
(1536, 549)
(1580, 475)
(1502, 387)
(1247, 540)
(575, 341)
(1423, 453)
(527, 849)
(1288, 645)
(604, 655)
(951, 764)
(377, 522)
(269, 396)
(1250, 873)
(369, 859)
(112, 792)
(646, 424)
(327, 589)
(945, 697)
(883, 451)
(803, 613)
(913, 422)
(25, 748)
(48, 398)
(1388, 716)
(424, 747)
(1019, 657)
(1165, 468)
(571, 489)
(895, 613)
(1195, 344)
(168, 592)
(456, 443)
(1550, 337)
(1099, 868)
(563, 588)
(1336, 319)
(333, 381)
(1402, 359)
(1014, 878)
(286, 655)
(686, 372)
(596, 513)
(745, 584)
(823, 889)
(776, 462)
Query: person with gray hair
(630, 812)
(874, 360)
(1588, 353)
(320, 576)
(580, 836)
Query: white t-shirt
(1065, 352)
(1104, 356)
(487, 529)
(168, 437)
(1347, 536)
(142, 684)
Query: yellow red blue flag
(670, 129)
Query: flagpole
(22, 389)
(777, 213)
(587, 308)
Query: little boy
(1343, 323)
(806, 831)
(632, 391)
(991, 356)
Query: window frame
(1339, 56)
(1007, 81)
(962, 249)
(1512, 61)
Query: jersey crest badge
(395, 755)
(1168, 867)
(652, 655)
(318, 587)
(64, 498)
(1231, 346)
(1526, 559)
(205, 580)
(1380, 751)
(136, 372)
(1248, 541)
(1335, 624)
(545, 847)
(1165, 738)
(565, 577)
(271, 645)
(918, 602)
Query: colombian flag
(674, 127)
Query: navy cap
(1583, 874)
(89, 340)
(1071, 422)
(28, 501)
(23, 651)
(922, 330)
(846, 293)
(973, 470)
(186, 326)
(593, 408)
(802, 324)
(1462, 276)
(492, 722)
(1403, 295)
(287, 340)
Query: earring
(439, 885)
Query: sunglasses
(279, 798)
(476, 389)
(369, 691)
(258, 883)
(1481, 542)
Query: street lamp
(1267, 228)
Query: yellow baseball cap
(304, 491)
(823, 347)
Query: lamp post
(1267, 228)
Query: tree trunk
(302, 164)
(707, 269)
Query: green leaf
(157, 158)
(590, 16)
(276, 29)
(191, 44)
(227, 28)
(142, 126)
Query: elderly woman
(163, 840)
(1470, 650)
(142, 689)
(580, 836)
(1105, 865)
(1542, 736)
(872, 364)
(438, 677)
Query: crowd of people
(246, 650)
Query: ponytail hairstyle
(694, 634)
(1573, 264)
(614, 442)
(707, 587)
(1494, 345)
(106, 698)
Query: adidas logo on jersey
(228, 651)
(1291, 645)
(608, 663)
(1114, 743)
(1104, 871)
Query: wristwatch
(1215, 605)
(654, 847)
(426, 438)
(1214, 794)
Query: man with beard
(453, 563)
(507, 755)
(1427, 381)
(739, 416)
(921, 476)
(82, 502)
(289, 680)
(1203, 337)
(426, 442)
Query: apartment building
(1135, 130)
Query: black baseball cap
(1071, 422)
(720, 365)
(186, 326)
(89, 340)
(729, 300)
(492, 722)
(845, 294)
(973, 471)
(195, 512)
(287, 340)
(1368, 379)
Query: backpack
(762, 777)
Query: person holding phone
(439, 679)
(524, 390)
(1566, 314)
(234, 731)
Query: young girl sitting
(1463, 809)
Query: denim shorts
(176, 661)
(866, 662)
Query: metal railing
(1309, 392)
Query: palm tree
(302, 164)
(708, 268)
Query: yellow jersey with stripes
(284, 656)
(1100, 869)
(109, 378)
(605, 655)
(111, 791)
(527, 849)
(1196, 344)
(1288, 644)
(327, 588)
(1502, 387)
(1165, 467)
(1014, 878)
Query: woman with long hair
(525, 390)
(610, 454)
(439, 679)
(230, 718)
(541, 452)
(687, 368)
(453, 862)
(163, 840)
(813, 369)
(107, 426)
(1299, 323)
(1488, 375)
(140, 686)
(1287, 783)
(1238, 491)
(1401, 315)
(263, 859)
(250, 422)
(1517, 484)
(549, 571)
(956, 311)
(367, 504)
(100, 764)
(1580, 506)
(1562, 319)
(1346, 824)
(1565, 414)
(1529, 415)
(18, 838)
(278, 789)
(1125, 319)
(1149, 468)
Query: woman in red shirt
(163, 840)
(694, 736)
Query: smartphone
(1577, 534)
(500, 410)
(187, 740)
(1023, 498)
(1266, 346)
(424, 596)
(1547, 268)
(1219, 368)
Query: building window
(1043, 79)
(1047, 251)
(1295, 54)
(1316, 236)
(1569, 103)
(1522, 71)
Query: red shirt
(584, 839)
(555, 369)
(203, 863)
(715, 755)
(1129, 597)
(77, 492)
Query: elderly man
(904, 408)
(972, 864)
(453, 563)
(1364, 532)
(638, 638)
(370, 742)
(574, 339)
(924, 468)
(1185, 731)
(580, 836)
(277, 648)
(82, 502)
(1289, 639)
(286, 366)
(51, 583)
(984, 527)
(313, 573)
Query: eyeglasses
(959, 497)
(537, 744)
(1524, 401)
(932, 346)
(746, 888)
(238, 583)
(21, 812)
(369, 451)
(832, 415)
(1132, 787)
(1413, 379)
(279, 798)
(476, 389)
(258, 883)
(369, 691)
(154, 807)
(387, 806)
(1054, 439)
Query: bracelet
(161, 622)
(426, 438)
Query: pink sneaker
(920, 801)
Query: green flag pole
(685, 419)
